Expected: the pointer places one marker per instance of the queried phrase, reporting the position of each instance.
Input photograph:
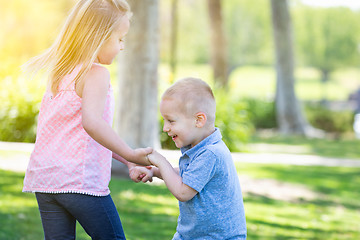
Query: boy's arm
(157, 173)
(171, 177)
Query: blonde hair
(194, 95)
(89, 25)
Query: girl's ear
(200, 119)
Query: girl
(70, 167)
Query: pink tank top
(65, 158)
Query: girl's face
(114, 44)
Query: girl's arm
(171, 177)
(123, 160)
(94, 93)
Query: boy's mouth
(174, 137)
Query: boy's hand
(139, 173)
(156, 158)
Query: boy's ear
(200, 119)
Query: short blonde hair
(89, 25)
(194, 95)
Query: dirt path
(15, 156)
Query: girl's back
(63, 148)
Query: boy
(206, 182)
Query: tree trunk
(218, 43)
(290, 118)
(324, 82)
(173, 39)
(137, 113)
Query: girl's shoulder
(98, 76)
(98, 71)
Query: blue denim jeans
(97, 215)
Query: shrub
(19, 109)
(262, 113)
(328, 120)
(165, 141)
(232, 117)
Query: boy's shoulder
(218, 149)
(213, 146)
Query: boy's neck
(207, 131)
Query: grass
(148, 211)
(344, 148)
(333, 214)
(260, 81)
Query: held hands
(156, 158)
(140, 173)
(140, 156)
(144, 174)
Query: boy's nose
(165, 128)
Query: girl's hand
(141, 155)
(139, 173)
(156, 158)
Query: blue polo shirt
(217, 210)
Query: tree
(248, 31)
(138, 79)
(290, 118)
(327, 39)
(218, 43)
(173, 38)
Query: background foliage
(325, 41)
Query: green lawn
(146, 211)
(150, 211)
(260, 81)
(333, 214)
(344, 148)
